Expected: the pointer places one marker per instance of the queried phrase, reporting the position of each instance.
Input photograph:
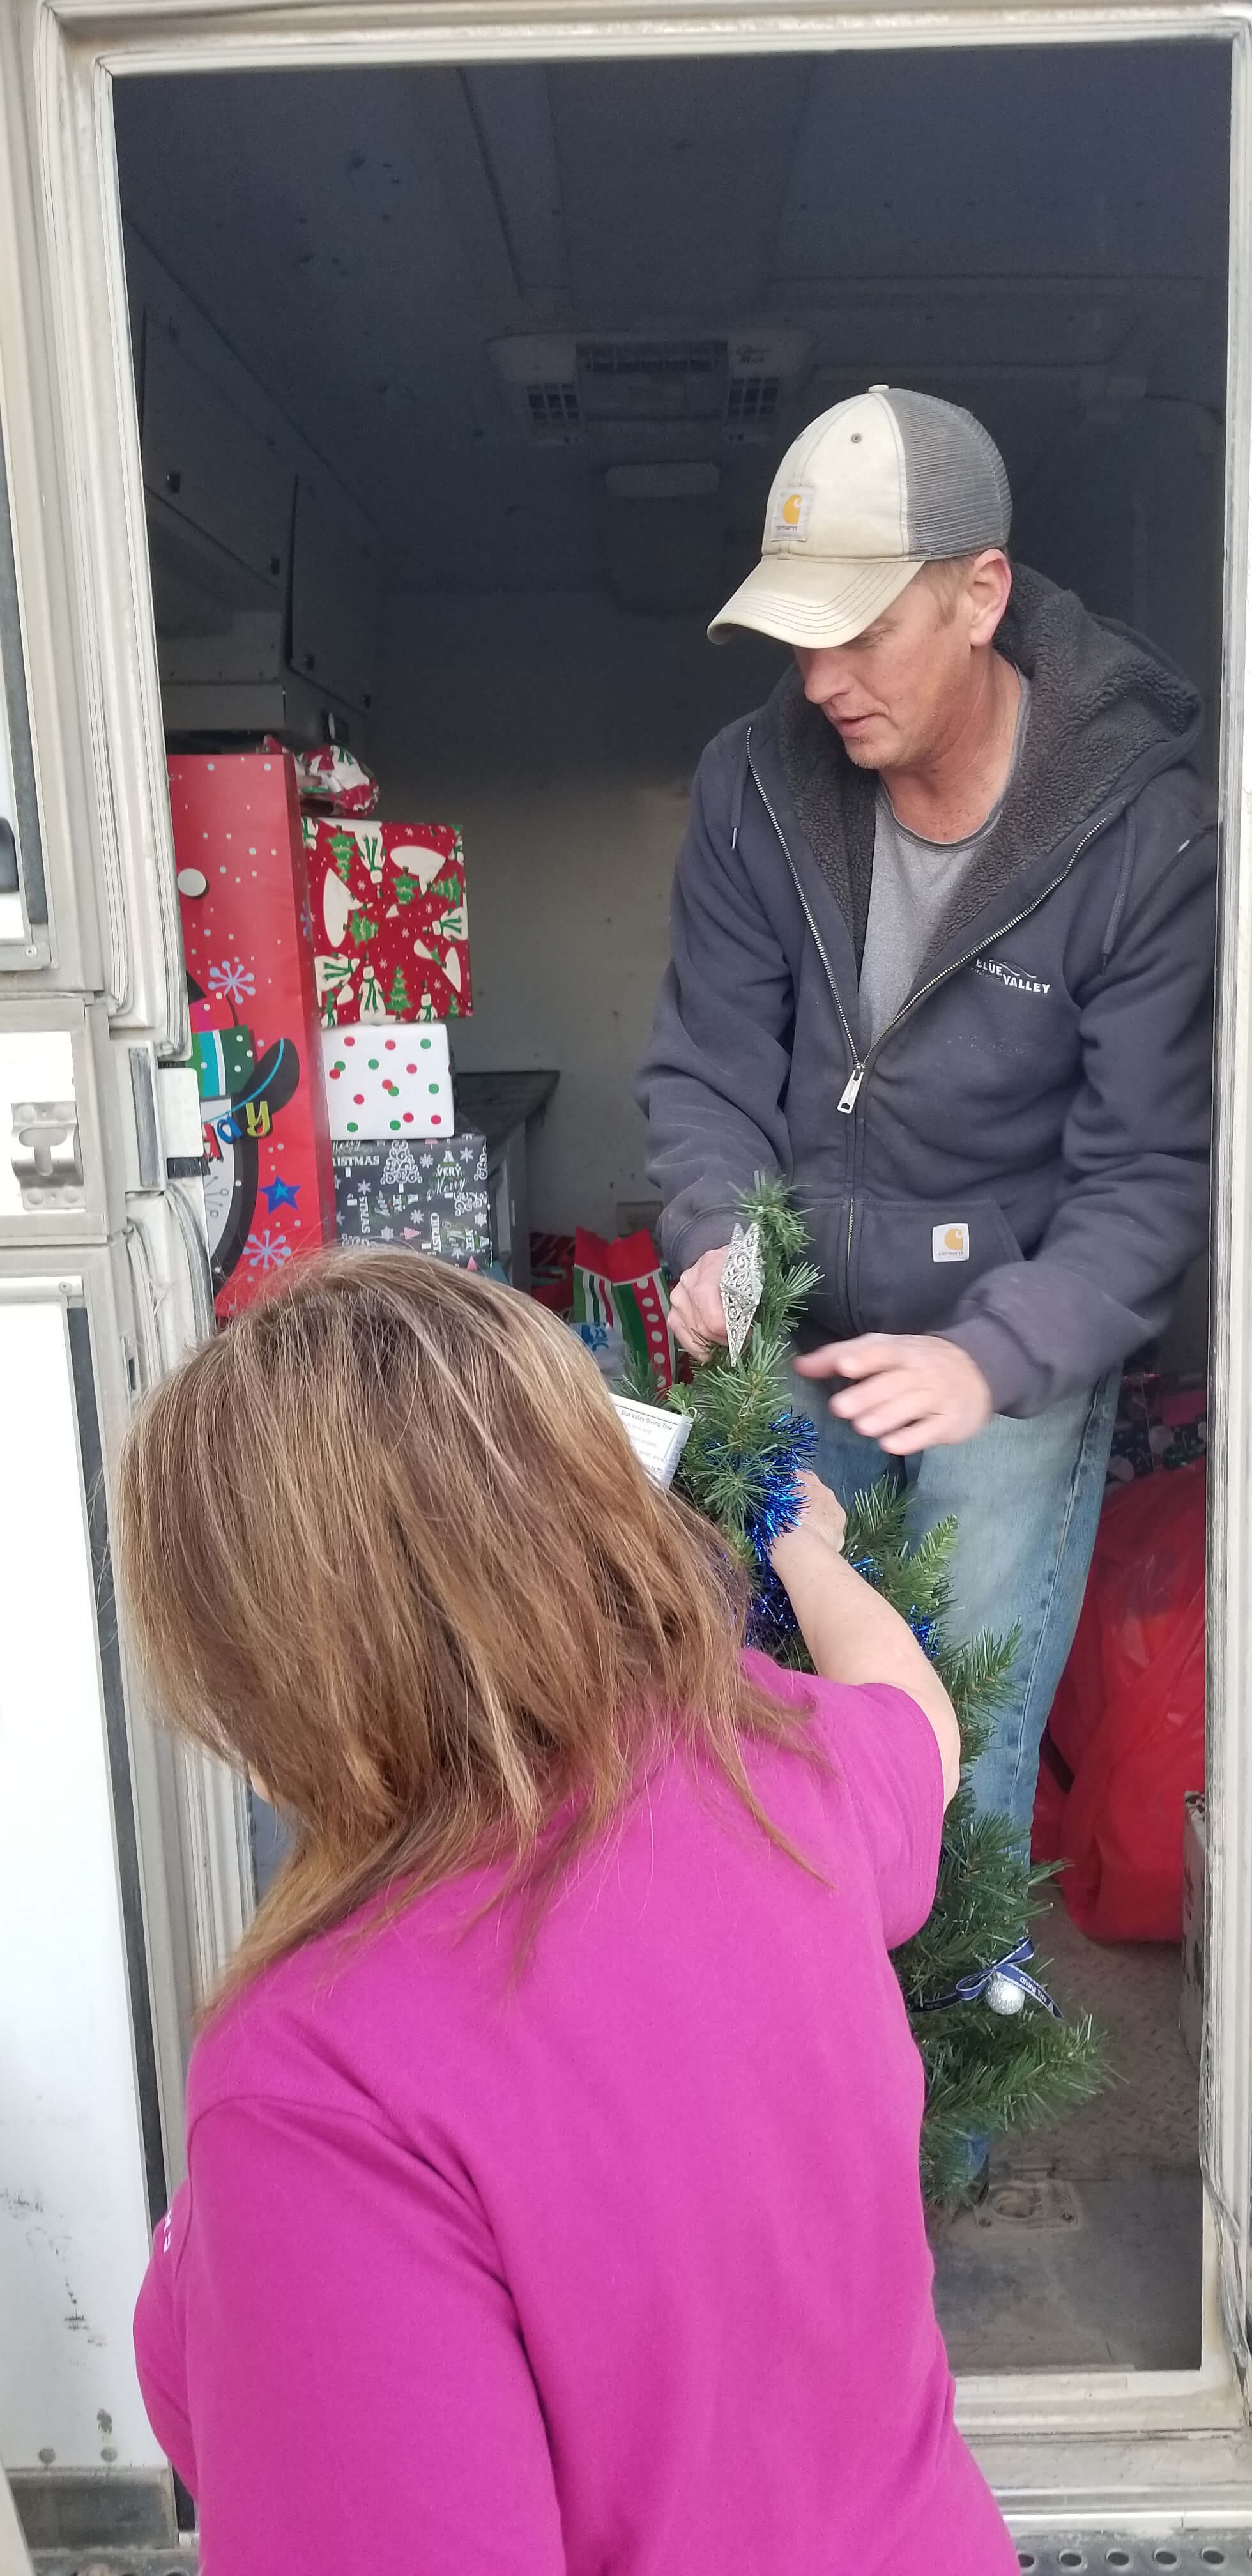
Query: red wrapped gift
(389, 924)
(552, 1271)
(244, 904)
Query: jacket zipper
(847, 1100)
(848, 1097)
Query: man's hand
(695, 1308)
(908, 1391)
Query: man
(942, 953)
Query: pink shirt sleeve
(885, 1752)
(314, 2251)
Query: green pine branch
(1000, 2078)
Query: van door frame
(72, 52)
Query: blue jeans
(1026, 1499)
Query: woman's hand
(821, 1516)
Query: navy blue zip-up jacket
(1020, 1160)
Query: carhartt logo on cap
(869, 492)
(950, 1243)
(790, 524)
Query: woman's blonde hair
(385, 1544)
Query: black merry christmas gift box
(430, 1196)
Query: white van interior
(460, 392)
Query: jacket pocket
(829, 1314)
(911, 1262)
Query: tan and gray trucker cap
(866, 495)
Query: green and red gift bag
(619, 1291)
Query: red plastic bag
(1128, 1719)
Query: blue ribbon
(971, 1989)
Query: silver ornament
(1003, 1995)
(742, 1285)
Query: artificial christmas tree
(997, 2055)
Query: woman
(553, 2199)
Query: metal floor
(1190, 2555)
(1060, 2554)
(114, 2562)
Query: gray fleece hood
(1044, 1090)
(1106, 712)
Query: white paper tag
(657, 1436)
(950, 1243)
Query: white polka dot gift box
(387, 1079)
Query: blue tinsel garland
(793, 1439)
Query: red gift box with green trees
(387, 902)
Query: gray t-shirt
(912, 885)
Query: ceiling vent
(652, 380)
(552, 405)
(615, 391)
(751, 403)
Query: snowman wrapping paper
(390, 935)
(247, 940)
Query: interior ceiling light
(567, 388)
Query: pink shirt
(616, 2270)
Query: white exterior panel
(73, 2218)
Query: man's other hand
(907, 1391)
(695, 1308)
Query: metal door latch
(46, 1155)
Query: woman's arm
(852, 1634)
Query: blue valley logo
(1016, 979)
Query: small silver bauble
(1003, 1995)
